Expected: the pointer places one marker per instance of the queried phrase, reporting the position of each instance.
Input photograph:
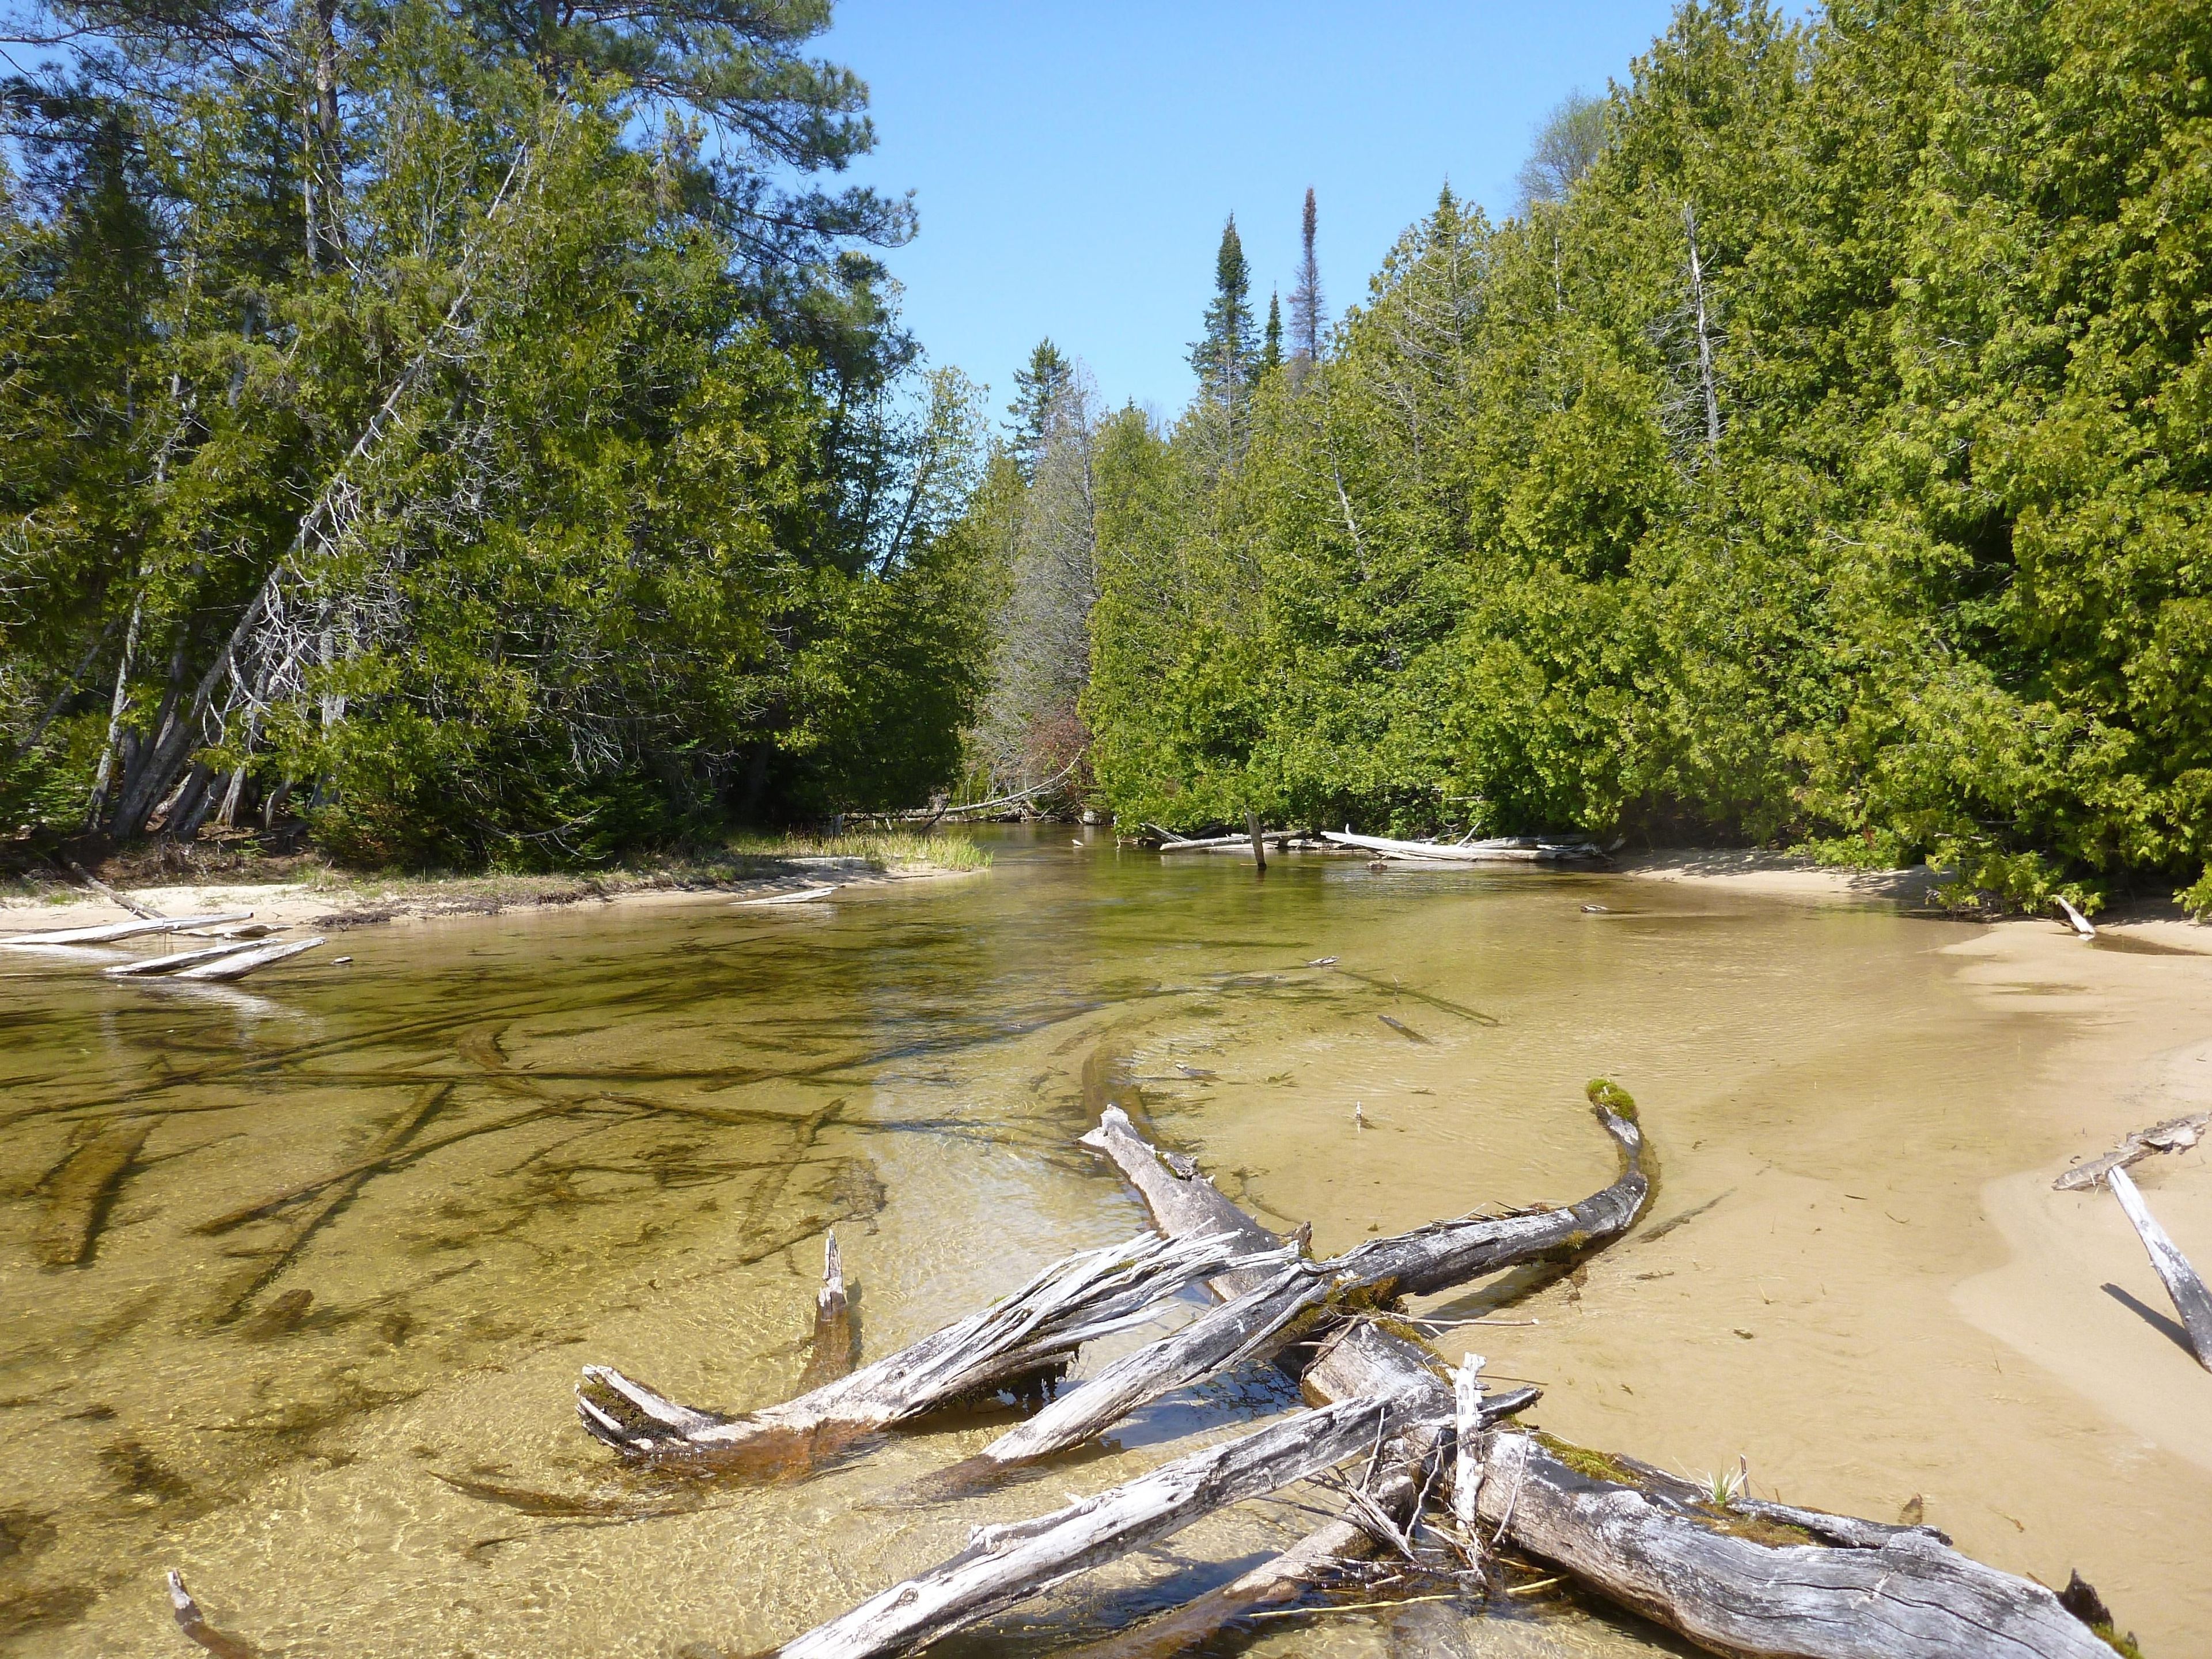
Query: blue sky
(1073, 164)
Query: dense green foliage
(1825, 462)
(444, 419)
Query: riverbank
(309, 892)
(1780, 875)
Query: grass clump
(1608, 1095)
(887, 849)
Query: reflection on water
(340, 1245)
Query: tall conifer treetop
(1040, 391)
(1306, 302)
(1223, 357)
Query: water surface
(348, 1422)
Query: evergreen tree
(1040, 391)
(1271, 351)
(1306, 297)
(1223, 357)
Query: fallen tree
(1023, 1338)
(1443, 1486)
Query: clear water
(634, 1123)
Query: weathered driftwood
(798, 895)
(2079, 923)
(1744, 1585)
(246, 962)
(120, 901)
(1005, 1565)
(1358, 1357)
(1654, 1550)
(836, 1342)
(2190, 1299)
(80, 1191)
(2176, 1134)
(108, 933)
(1263, 1318)
(1037, 1329)
(1510, 849)
(1204, 843)
(176, 962)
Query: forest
(479, 434)
(489, 435)
(1816, 456)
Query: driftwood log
(1745, 1578)
(1743, 1582)
(2191, 1298)
(1033, 1333)
(108, 933)
(1005, 1565)
(243, 962)
(1265, 1317)
(796, 896)
(1504, 849)
(174, 963)
(2176, 1134)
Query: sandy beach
(2077, 1297)
(329, 905)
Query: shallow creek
(633, 1122)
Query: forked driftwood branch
(1747, 1578)
(1035, 1331)
(1305, 1295)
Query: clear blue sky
(1072, 165)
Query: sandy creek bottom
(1853, 1274)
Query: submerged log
(246, 962)
(1004, 1565)
(2176, 1134)
(1036, 1329)
(799, 895)
(303, 1223)
(2191, 1298)
(108, 933)
(1749, 1585)
(79, 1193)
(176, 962)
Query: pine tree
(1223, 357)
(1039, 391)
(1305, 298)
(1271, 353)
